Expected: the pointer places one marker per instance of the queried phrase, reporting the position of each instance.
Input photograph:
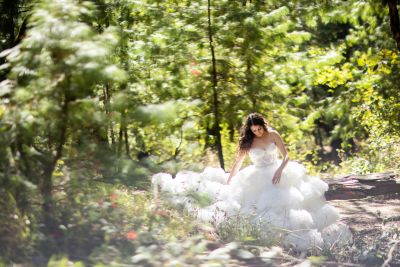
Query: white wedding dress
(295, 206)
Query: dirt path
(367, 212)
(375, 223)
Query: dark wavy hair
(246, 136)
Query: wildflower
(113, 196)
(131, 235)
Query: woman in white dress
(275, 191)
(255, 134)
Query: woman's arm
(238, 163)
(281, 146)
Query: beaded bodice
(263, 156)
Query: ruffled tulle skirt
(296, 204)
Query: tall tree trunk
(9, 15)
(21, 32)
(249, 83)
(394, 21)
(10, 9)
(127, 149)
(120, 136)
(217, 131)
(47, 178)
(231, 129)
(107, 97)
(46, 189)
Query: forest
(96, 96)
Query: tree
(394, 20)
(52, 86)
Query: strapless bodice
(263, 156)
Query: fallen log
(361, 186)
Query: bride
(276, 192)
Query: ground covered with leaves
(375, 223)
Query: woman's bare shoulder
(242, 152)
(274, 133)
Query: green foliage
(15, 236)
(199, 198)
(102, 223)
(248, 230)
(51, 99)
(63, 262)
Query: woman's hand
(277, 176)
(281, 146)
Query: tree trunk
(106, 101)
(10, 9)
(9, 15)
(231, 129)
(21, 32)
(217, 128)
(249, 82)
(394, 21)
(120, 135)
(361, 186)
(127, 149)
(46, 189)
(46, 186)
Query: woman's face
(257, 130)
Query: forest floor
(375, 223)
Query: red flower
(113, 196)
(196, 72)
(131, 235)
